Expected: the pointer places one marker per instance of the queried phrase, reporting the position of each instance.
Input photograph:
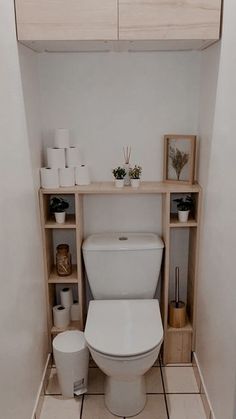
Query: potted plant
(184, 206)
(58, 207)
(119, 174)
(135, 174)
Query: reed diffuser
(127, 154)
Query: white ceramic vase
(60, 217)
(119, 183)
(127, 178)
(183, 216)
(135, 183)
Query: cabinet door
(66, 19)
(169, 19)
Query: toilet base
(125, 398)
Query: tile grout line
(81, 409)
(163, 384)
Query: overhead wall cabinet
(152, 24)
(66, 19)
(178, 343)
(158, 19)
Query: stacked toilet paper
(64, 166)
(67, 311)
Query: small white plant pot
(119, 183)
(60, 217)
(183, 216)
(135, 183)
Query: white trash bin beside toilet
(71, 358)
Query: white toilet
(124, 329)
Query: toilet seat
(123, 328)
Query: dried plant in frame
(179, 158)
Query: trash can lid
(70, 341)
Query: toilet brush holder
(177, 309)
(177, 314)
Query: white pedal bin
(71, 358)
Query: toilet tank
(123, 265)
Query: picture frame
(179, 158)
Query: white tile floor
(172, 393)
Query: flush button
(123, 238)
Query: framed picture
(179, 158)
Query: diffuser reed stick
(127, 153)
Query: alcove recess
(178, 343)
(53, 234)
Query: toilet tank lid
(122, 241)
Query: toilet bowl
(124, 338)
(124, 329)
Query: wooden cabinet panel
(169, 19)
(66, 19)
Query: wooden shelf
(174, 221)
(54, 278)
(69, 223)
(74, 325)
(187, 328)
(109, 188)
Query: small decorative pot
(135, 183)
(60, 217)
(119, 183)
(183, 216)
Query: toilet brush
(177, 308)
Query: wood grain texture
(178, 345)
(79, 239)
(109, 188)
(66, 19)
(169, 19)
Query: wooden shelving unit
(178, 343)
(74, 226)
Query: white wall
(22, 319)
(216, 331)
(114, 99)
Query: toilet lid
(123, 327)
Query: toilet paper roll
(72, 157)
(74, 311)
(66, 176)
(62, 138)
(56, 157)
(66, 297)
(82, 175)
(49, 178)
(61, 316)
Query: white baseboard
(203, 389)
(40, 393)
